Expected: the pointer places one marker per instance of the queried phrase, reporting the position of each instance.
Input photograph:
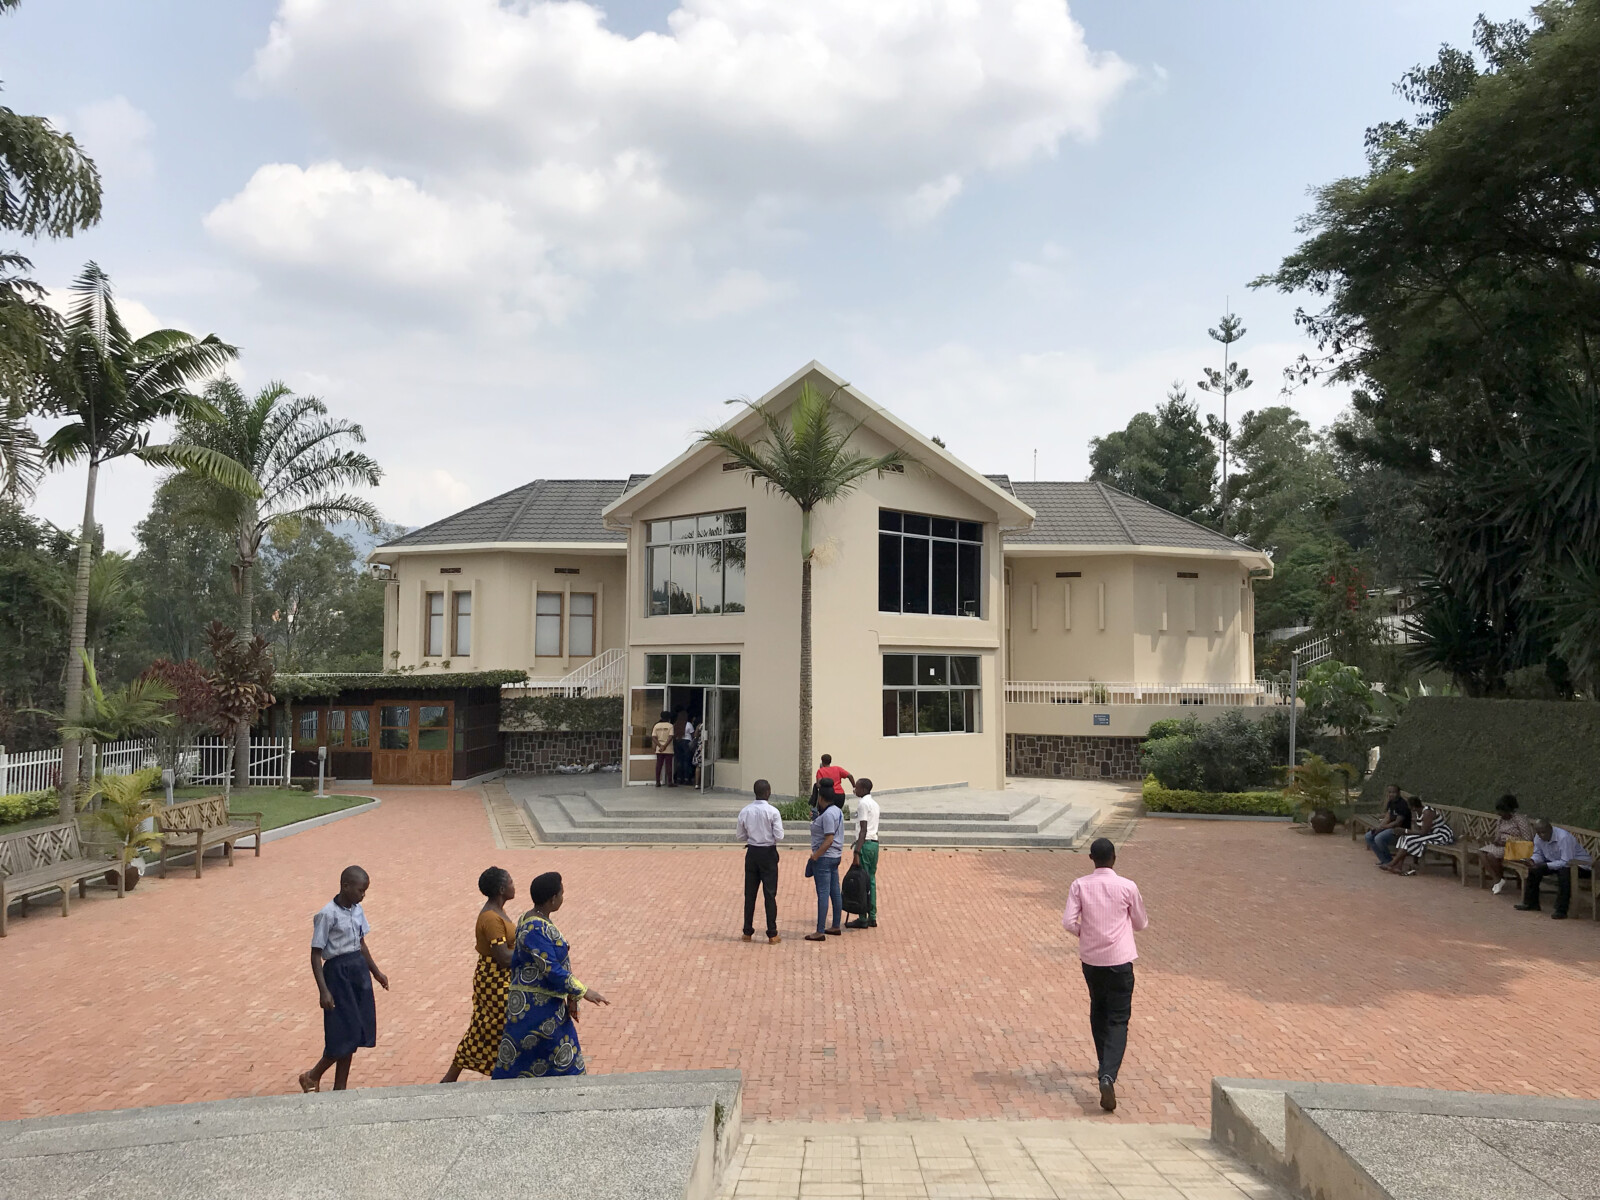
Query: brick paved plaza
(1271, 953)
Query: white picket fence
(206, 760)
(1226, 695)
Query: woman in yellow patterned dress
(495, 932)
(541, 1037)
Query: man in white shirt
(760, 828)
(865, 851)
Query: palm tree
(111, 388)
(806, 458)
(300, 459)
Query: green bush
(561, 712)
(1242, 804)
(27, 806)
(800, 810)
(1233, 753)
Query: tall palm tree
(808, 459)
(110, 388)
(301, 460)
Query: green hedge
(1471, 752)
(561, 712)
(26, 806)
(1241, 804)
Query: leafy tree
(110, 388)
(241, 682)
(809, 460)
(130, 710)
(318, 602)
(1460, 297)
(182, 572)
(48, 188)
(1337, 695)
(33, 642)
(1232, 378)
(1163, 456)
(301, 462)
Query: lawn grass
(277, 806)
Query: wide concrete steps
(651, 1136)
(1347, 1142)
(575, 818)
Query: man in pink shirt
(1103, 912)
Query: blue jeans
(826, 877)
(1381, 842)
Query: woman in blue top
(541, 1037)
(827, 847)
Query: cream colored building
(950, 610)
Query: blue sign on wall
(1102, 718)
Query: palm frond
(198, 460)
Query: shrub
(590, 713)
(1230, 754)
(26, 806)
(799, 809)
(1243, 804)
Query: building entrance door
(414, 743)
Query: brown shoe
(774, 940)
(815, 937)
(748, 936)
(308, 1084)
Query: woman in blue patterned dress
(541, 1035)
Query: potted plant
(1317, 789)
(128, 815)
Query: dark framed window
(695, 564)
(718, 674)
(930, 693)
(929, 565)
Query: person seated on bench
(1396, 821)
(1431, 830)
(1513, 827)
(1554, 852)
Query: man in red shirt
(834, 774)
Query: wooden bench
(202, 824)
(43, 859)
(1591, 842)
(1473, 828)
(1359, 823)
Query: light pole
(1294, 701)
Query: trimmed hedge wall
(1232, 804)
(25, 806)
(1471, 752)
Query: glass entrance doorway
(706, 688)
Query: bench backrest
(193, 816)
(1470, 824)
(42, 847)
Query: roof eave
(382, 554)
(1243, 554)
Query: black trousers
(761, 871)
(1563, 878)
(1110, 1006)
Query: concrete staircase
(958, 817)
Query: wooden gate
(415, 742)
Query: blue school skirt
(352, 1022)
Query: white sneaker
(1499, 887)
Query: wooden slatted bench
(1359, 823)
(1473, 827)
(204, 823)
(1591, 842)
(42, 860)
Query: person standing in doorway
(681, 726)
(827, 848)
(661, 739)
(865, 851)
(1104, 911)
(761, 829)
(344, 970)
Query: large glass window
(463, 629)
(930, 693)
(547, 625)
(580, 625)
(696, 564)
(433, 634)
(360, 719)
(433, 731)
(306, 735)
(929, 565)
(336, 727)
(718, 674)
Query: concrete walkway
(965, 1160)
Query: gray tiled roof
(568, 510)
(546, 510)
(1096, 515)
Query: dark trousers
(684, 749)
(664, 765)
(761, 871)
(1563, 878)
(1110, 1006)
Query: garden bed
(1158, 799)
(277, 806)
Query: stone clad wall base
(539, 752)
(1073, 756)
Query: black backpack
(856, 891)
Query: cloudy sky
(521, 239)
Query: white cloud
(736, 291)
(117, 136)
(470, 134)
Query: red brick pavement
(1270, 954)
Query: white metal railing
(36, 770)
(1228, 695)
(603, 675)
(1314, 651)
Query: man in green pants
(866, 850)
